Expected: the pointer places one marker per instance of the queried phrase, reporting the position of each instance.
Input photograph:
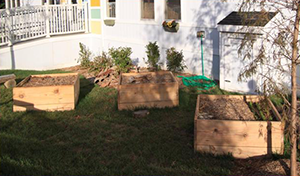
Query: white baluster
(47, 20)
(86, 17)
(9, 28)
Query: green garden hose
(201, 81)
(202, 57)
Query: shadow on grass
(6, 102)
(85, 88)
(18, 81)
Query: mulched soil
(262, 166)
(225, 109)
(50, 81)
(147, 78)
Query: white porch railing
(25, 23)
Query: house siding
(196, 15)
(95, 17)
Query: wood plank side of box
(148, 95)
(242, 139)
(46, 98)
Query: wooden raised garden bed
(49, 92)
(152, 89)
(224, 124)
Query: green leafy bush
(152, 54)
(175, 60)
(101, 62)
(84, 56)
(121, 58)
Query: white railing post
(7, 4)
(47, 20)
(9, 26)
(21, 24)
(86, 18)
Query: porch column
(11, 4)
(7, 4)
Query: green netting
(201, 82)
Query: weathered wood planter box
(241, 138)
(152, 89)
(49, 92)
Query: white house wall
(131, 30)
(43, 54)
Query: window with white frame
(111, 8)
(173, 9)
(147, 9)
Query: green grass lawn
(97, 139)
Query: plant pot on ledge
(170, 26)
(109, 22)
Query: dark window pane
(148, 9)
(173, 9)
(111, 8)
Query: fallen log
(5, 78)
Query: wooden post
(47, 20)
(86, 21)
(275, 111)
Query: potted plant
(170, 26)
(109, 22)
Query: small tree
(278, 54)
(175, 60)
(84, 56)
(121, 58)
(153, 54)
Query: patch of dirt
(263, 166)
(147, 78)
(225, 109)
(50, 81)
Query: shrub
(175, 60)
(152, 54)
(121, 58)
(84, 56)
(101, 62)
